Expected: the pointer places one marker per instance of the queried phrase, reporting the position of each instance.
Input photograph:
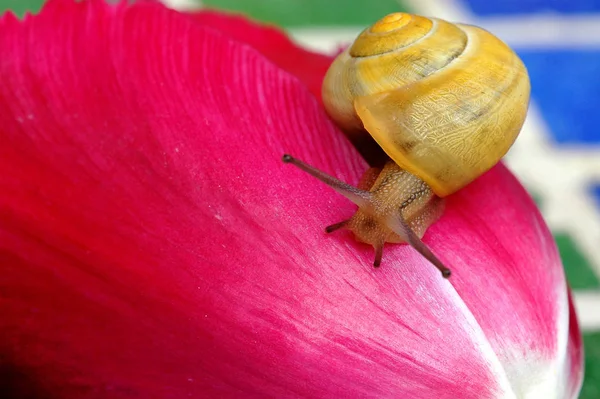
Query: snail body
(444, 102)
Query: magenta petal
(573, 367)
(153, 244)
(509, 275)
(307, 66)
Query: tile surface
(487, 7)
(563, 83)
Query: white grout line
(547, 31)
(537, 32)
(566, 204)
(452, 10)
(325, 39)
(588, 304)
(182, 4)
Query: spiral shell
(445, 101)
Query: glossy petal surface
(152, 244)
(309, 67)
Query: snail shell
(445, 101)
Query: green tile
(20, 6)
(280, 12)
(537, 197)
(577, 267)
(591, 380)
(311, 12)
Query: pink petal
(573, 367)
(307, 66)
(269, 41)
(510, 277)
(152, 243)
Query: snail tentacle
(336, 226)
(378, 254)
(397, 223)
(359, 197)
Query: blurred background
(557, 156)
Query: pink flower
(153, 244)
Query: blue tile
(566, 86)
(595, 190)
(494, 7)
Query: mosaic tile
(595, 191)
(577, 268)
(563, 82)
(591, 383)
(536, 196)
(311, 12)
(20, 6)
(490, 7)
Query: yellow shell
(445, 101)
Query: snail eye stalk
(359, 197)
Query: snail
(431, 105)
